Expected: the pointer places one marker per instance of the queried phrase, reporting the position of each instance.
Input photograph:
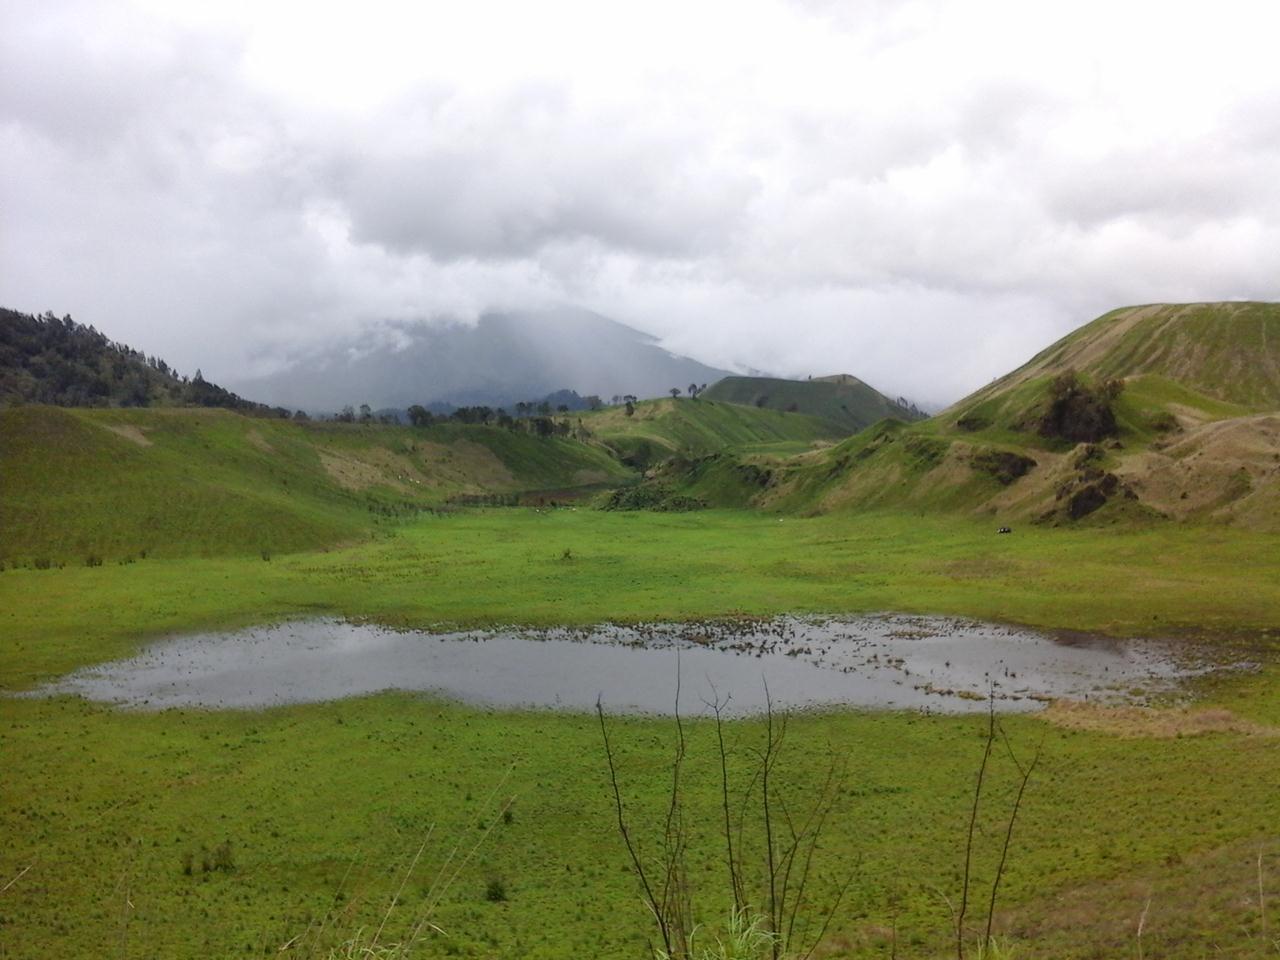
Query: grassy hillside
(111, 484)
(843, 400)
(662, 428)
(47, 360)
(1195, 433)
(1227, 352)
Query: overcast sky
(922, 194)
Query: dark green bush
(1080, 413)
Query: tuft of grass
(746, 936)
(995, 948)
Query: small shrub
(1004, 465)
(266, 555)
(222, 858)
(508, 816)
(93, 560)
(1080, 413)
(567, 555)
(651, 496)
(496, 890)
(42, 563)
(925, 452)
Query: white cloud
(921, 193)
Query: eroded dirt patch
(259, 441)
(351, 473)
(1151, 722)
(129, 432)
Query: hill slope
(843, 400)
(659, 429)
(1192, 432)
(1228, 352)
(502, 359)
(110, 484)
(49, 360)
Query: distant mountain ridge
(841, 399)
(500, 360)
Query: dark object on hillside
(1091, 496)
(971, 423)
(1005, 530)
(1004, 465)
(1164, 422)
(1089, 490)
(1080, 413)
(652, 496)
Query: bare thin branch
(1008, 834)
(973, 823)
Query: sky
(923, 194)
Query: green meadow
(308, 818)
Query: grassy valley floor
(324, 806)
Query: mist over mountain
(503, 358)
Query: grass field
(101, 808)
(115, 484)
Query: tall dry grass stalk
(332, 937)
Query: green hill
(1169, 411)
(1227, 353)
(110, 484)
(44, 359)
(842, 400)
(658, 429)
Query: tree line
(47, 359)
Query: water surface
(887, 661)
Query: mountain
(842, 400)
(1228, 353)
(502, 359)
(1167, 411)
(44, 359)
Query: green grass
(700, 427)
(217, 483)
(1229, 352)
(503, 566)
(848, 405)
(325, 805)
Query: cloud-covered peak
(923, 193)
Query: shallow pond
(886, 661)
